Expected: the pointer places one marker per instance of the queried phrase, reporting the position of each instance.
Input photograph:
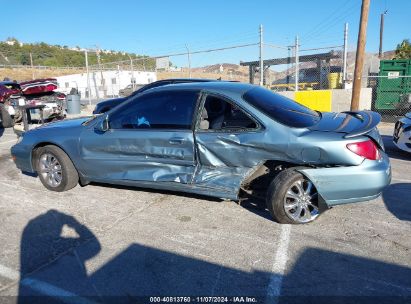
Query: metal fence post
(345, 53)
(261, 57)
(296, 63)
(88, 78)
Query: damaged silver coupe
(218, 139)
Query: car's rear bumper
(341, 185)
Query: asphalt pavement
(95, 242)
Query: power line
(277, 46)
(331, 23)
(326, 20)
(322, 48)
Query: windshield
(282, 109)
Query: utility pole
(381, 32)
(345, 53)
(102, 81)
(359, 58)
(32, 67)
(88, 78)
(189, 61)
(261, 56)
(119, 80)
(132, 72)
(297, 62)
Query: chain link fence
(389, 95)
(317, 74)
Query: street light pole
(381, 33)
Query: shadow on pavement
(53, 263)
(331, 277)
(256, 206)
(397, 200)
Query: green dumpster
(394, 88)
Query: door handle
(176, 140)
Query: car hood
(408, 115)
(64, 124)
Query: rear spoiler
(369, 120)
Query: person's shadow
(48, 237)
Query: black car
(107, 105)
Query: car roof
(188, 79)
(236, 87)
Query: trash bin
(334, 80)
(73, 104)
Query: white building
(103, 84)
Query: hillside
(14, 52)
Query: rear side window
(157, 110)
(282, 109)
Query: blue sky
(161, 27)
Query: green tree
(403, 50)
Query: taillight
(367, 149)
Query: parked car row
(216, 138)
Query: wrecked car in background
(34, 92)
(42, 92)
(10, 93)
(219, 139)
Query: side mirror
(103, 125)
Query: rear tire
(292, 198)
(6, 120)
(55, 169)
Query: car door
(150, 138)
(229, 146)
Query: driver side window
(219, 114)
(157, 110)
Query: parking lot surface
(99, 241)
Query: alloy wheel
(50, 169)
(301, 201)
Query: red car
(9, 93)
(38, 91)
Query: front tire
(55, 169)
(292, 198)
(6, 120)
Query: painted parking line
(44, 288)
(280, 262)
